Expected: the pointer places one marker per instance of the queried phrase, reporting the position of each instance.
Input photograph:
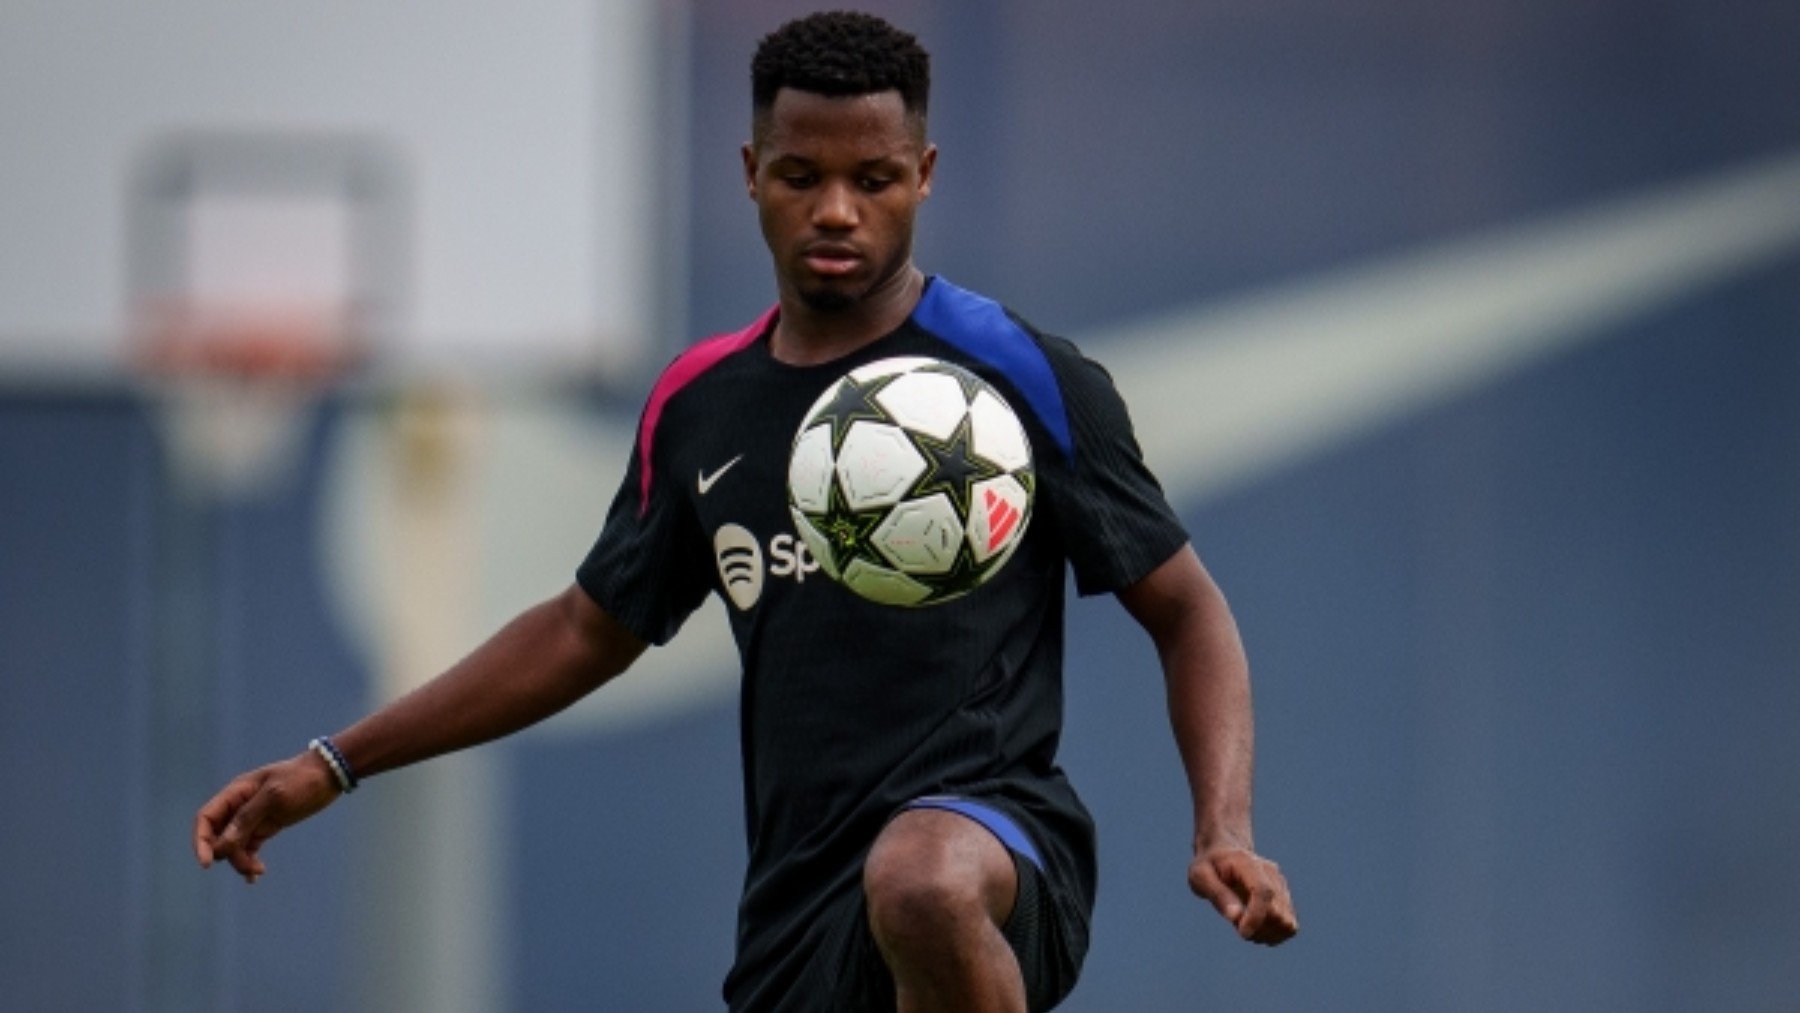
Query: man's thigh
(1035, 924)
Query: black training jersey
(850, 709)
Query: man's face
(837, 183)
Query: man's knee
(934, 876)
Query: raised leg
(939, 888)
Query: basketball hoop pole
(258, 269)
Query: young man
(912, 842)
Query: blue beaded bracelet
(334, 758)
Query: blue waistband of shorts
(998, 823)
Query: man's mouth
(832, 259)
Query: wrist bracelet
(334, 759)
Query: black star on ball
(848, 531)
(849, 402)
(952, 466)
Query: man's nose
(836, 208)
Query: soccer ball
(910, 481)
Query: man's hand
(258, 805)
(1248, 891)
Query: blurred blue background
(1524, 634)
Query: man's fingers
(1269, 919)
(1280, 925)
(1204, 880)
(1262, 898)
(235, 823)
(246, 863)
(1283, 923)
(1251, 877)
(1249, 892)
(236, 843)
(216, 814)
(1279, 928)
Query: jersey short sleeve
(1108, 509)
(643, 569)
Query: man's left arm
(1208, 681)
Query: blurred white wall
(527, 131)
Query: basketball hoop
(233, 386)
(263, 264)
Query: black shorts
(1045, 931)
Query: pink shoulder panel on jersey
(686, 368)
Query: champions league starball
(911, 481)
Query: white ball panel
(921, 535)
(810, 470)
(932, 403)
(877, 465)
(998, 513)
(888, 367)
(882, 585)
(997, 434)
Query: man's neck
(805, 336)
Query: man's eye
(799, 180)
(876, 184)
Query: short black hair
(837, 53)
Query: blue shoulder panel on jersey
(979, 327)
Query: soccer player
(912, 843)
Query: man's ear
(750, 168)
(927, 166)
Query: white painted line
(1228, 393)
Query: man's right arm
(547, 658)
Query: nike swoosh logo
(706, 481)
